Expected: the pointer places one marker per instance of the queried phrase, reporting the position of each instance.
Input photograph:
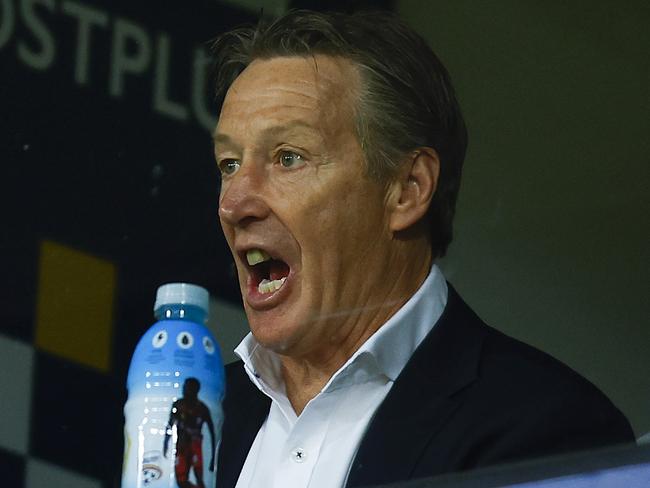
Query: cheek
(332, 226)
(331, 207)
(315, 209)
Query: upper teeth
(256, 256)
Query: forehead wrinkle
(265, 102)
(269, 119)
(318, 91)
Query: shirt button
(299, 455)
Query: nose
(241, 198)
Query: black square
(77, 418)
(19, 262)
(12, 467)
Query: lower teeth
(268, 286)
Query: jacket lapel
(420, 401)
(245, 409)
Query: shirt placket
(302, 448)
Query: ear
(414, 188)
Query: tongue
(278, 270)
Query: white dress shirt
(316, 449)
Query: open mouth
(267, 273)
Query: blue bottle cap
(183, 294)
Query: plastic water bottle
(173, 414)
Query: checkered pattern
(37, 443)
(61, 410)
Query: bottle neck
(178, 311)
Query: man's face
(295, 192)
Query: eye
(229, 166)
(289, 159)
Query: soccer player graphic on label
(189, 414)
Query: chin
(275, 334)
(270, 332)
(276, 342)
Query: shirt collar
(389, 348)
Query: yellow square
(74, 316)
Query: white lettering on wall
(7, 21)
(133, 53)
(87, 17)
(161, 101)
(199, 78)
(121, 61)
(43, 58)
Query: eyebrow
(223, 140)
(273, 131)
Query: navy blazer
(469, 397)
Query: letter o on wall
(43, 58)
(7, 20)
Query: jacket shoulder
(519, 372)
(531, 404)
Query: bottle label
(173, 412)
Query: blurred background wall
(552, 236)
(110, 190)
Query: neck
(306, 375)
